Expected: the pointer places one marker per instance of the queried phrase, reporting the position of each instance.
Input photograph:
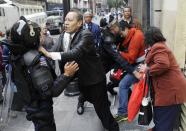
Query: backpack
(32, 76)
(39, 72)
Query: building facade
(172, 22)
(91, 5)
(54, 4)
(27, 7)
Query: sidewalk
(65, 116)
(68, 120)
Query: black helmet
(25, 35)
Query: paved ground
(68, 120)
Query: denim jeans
(124, 87)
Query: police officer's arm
(108, 45)
(62, 81)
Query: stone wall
(168, 21)
(180, 34)
(139, 11)
(173, 26)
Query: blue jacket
(95, 29)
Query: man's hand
(45, 52)
(138, 75)
(70, 68)
(142, 68)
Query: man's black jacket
(82, 50)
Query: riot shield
(7, 100)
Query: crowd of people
(88, 51)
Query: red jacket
(169, 83)
(135, 43)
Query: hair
(79, 14)
(153, 35)
(124, 24)
(103, 22)
(88, 13)
(113, 23)
(111, 18)
(137, 24)
(7, 33)
(127, 7)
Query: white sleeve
(55, 55)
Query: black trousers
(42, 115)
(97, 95)
(44, 127)
(165, 117)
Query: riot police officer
(33, 75)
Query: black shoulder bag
(146, 113)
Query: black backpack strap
(31, 58)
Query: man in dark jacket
(127, 16)
(91, 76)
(96, 32)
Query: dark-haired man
(132, 50)
(110, 56)
(96, 32)
(132, 21)
(91, 77)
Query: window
(26, 12)
(30, 11)
(54, 13)
(22, 11)
(2, 12)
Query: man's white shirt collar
(128, 21)
(66, 44)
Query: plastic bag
(135, 99)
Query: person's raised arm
(62, 81)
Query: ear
(80, 23)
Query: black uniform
(110, 56)
(32, 74)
